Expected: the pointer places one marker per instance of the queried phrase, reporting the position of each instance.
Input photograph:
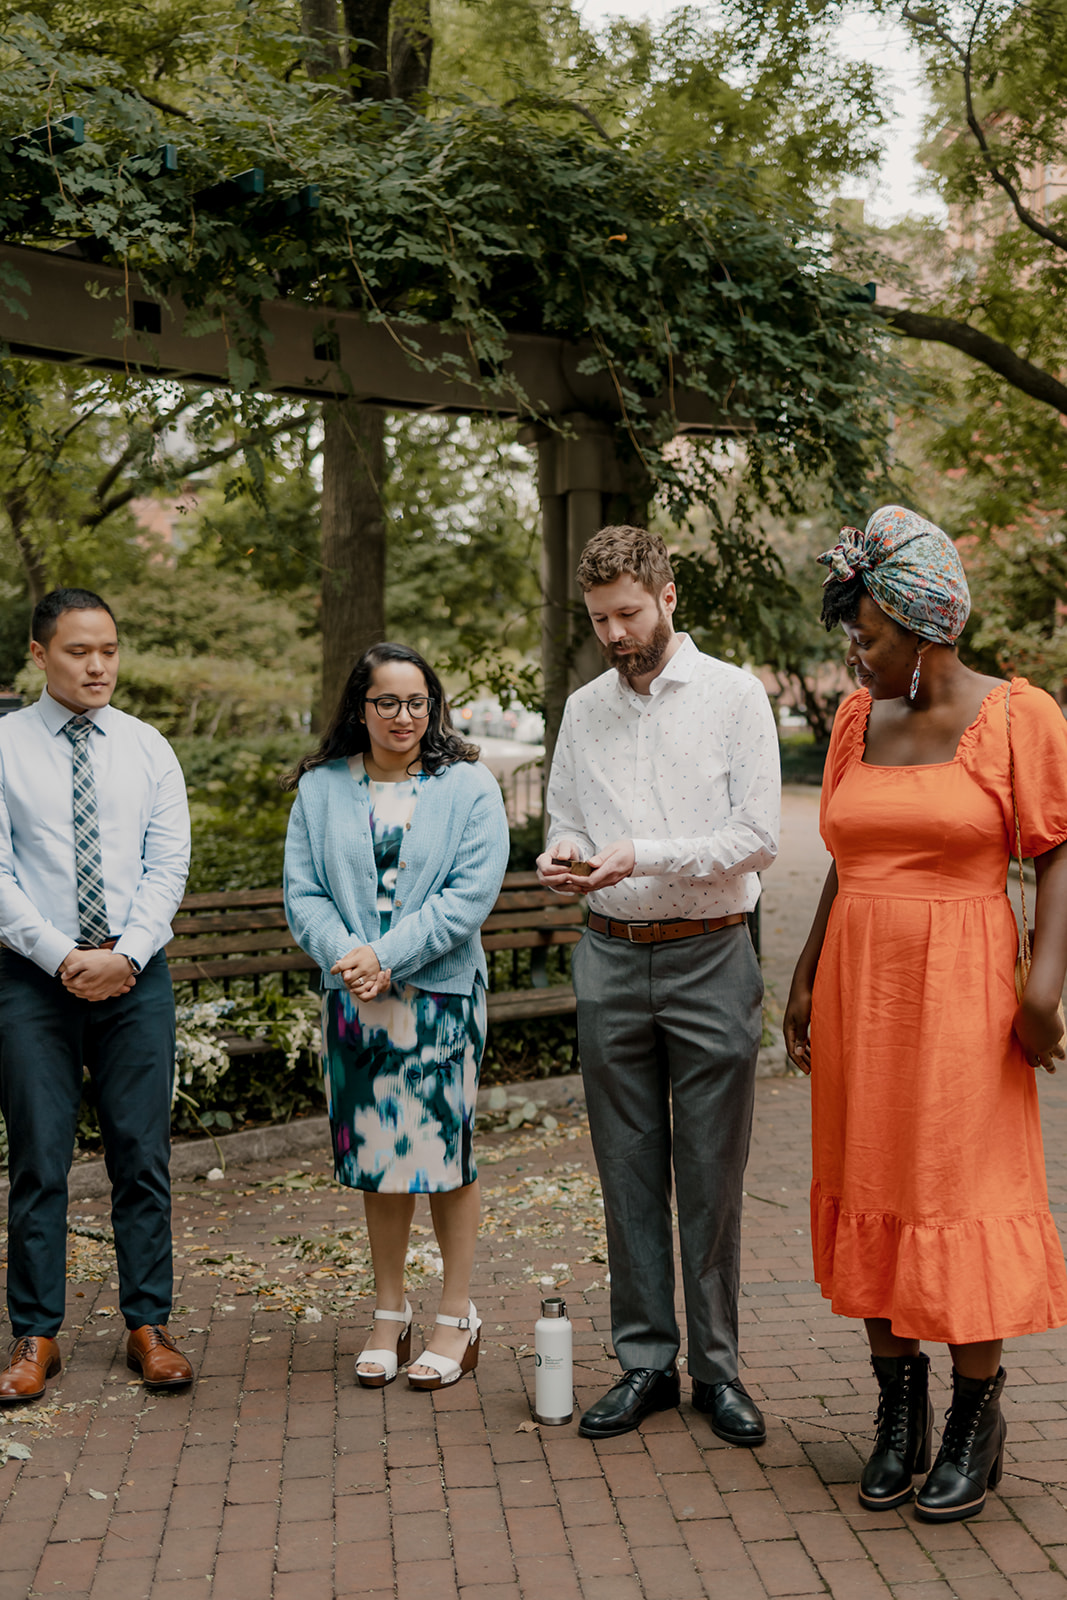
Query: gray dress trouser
(662, 1028)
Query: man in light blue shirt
(94, 852)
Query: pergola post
(582, 485)
(555, 588)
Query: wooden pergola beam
(83, 315)
(92, 316)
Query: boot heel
(971, 1458)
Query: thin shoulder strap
(1018, 830)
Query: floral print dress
(401, 1071)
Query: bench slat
(549, 917)
(536, 939)
(530, 899)
(228, 922)
(238, 944)
(222, 898)
(515, 1004)
(235, 967)
(521, 880)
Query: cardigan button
(398, 904)
(403, 863)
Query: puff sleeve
(846, 746)
(1039, 746)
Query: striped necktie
(92, 903)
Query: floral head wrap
(911, 570)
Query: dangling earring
(913, 691)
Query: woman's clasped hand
(361, 973)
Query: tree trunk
(353, 542)
(32, 559)
(410, 49)
(367, 30)
(318, 20)
(353, 461)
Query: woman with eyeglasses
(395, 853)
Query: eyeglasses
(388, 706)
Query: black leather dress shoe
(638, 1392)
(734, 1414)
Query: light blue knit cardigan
(451, 865)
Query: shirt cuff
(138, 947)
(649, 858)
(52, 949)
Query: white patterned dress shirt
(144, 832)
(690, 773)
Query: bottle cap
(554, 1306)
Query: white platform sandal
(446, 1370)
(390, 1361)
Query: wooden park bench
(242, 933)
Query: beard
(634, 660)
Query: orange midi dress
(929, 1205)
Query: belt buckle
(629, 931)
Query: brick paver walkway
(278, 1477)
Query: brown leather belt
(657, 932)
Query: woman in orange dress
(929, 1205)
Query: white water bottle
(554, 1380)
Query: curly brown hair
(616, 551)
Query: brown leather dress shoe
(152, 1352)
(31, 1362)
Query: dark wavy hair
(841, 600)
(347, 735)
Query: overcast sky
(898, 188)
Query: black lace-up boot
(904, 1427)
(971, 1457)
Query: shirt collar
(55, 717)
(679, 669)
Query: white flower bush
(289, 1024)
(199, 1054)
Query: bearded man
(665, 781)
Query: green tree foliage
(479, 219)
(77, 449)
(985, 300)
(15, 611)
(204, 653)
(464, 547)
(766, 95)
(999, 137)
(776, 625)
(265, 524)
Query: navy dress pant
(127, 1045)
